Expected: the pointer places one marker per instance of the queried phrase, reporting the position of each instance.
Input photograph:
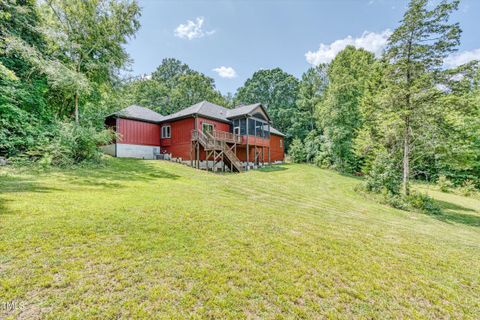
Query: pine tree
(415, 53)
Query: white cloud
(225, 72)
(371, 41)
(192, 29)
(460, 58)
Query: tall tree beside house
(88, 37)
(173, 86)
(23, 104)
(278, 92)
(339, 112)
(193, 88)
(415, 52)
(170, 70)
(312, 87)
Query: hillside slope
(147, 239)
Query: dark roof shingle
(138, 113)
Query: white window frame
(166, 132)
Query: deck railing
(219, 136)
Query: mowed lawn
(152, 239)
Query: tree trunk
(76, 108)
(406, 158)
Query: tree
(339, 112)
(415, 53)
(88, 36)
(170, 70)
(311, 91)
(277, 91)
(172, 87)
(193, 88)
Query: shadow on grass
(18, 184)
(455, 213)
(14, 184)
(114, 171)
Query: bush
(384, 176)
(297, 151)
(423, 203)
(444, 184)
(68, 144)
(468, 188)
(312, 146)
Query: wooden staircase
(218, 143)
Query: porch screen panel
(243, 127)
(251, 127)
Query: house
(204, 135)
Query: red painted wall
(138, 132)
(179, 144)
(277, 151)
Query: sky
(230, 40)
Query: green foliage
(384, 176)
(67, 143)
(415, 55)
(311, 91)
(278, 92)
(468, 188)
(297, 151)
(339, 113)
(444, 184)
(422, 202)
(172, 87)
(312, 146)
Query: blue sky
(229, 40)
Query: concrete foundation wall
(137, 151)
(109, 149)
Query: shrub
(312, 146)
(468, 188)
(423, 203)
(444, 184)
(384, 176)
(396, 201)
(69, 144)
(297, 151)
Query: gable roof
(138, 113)
(275, 131)
(204, 108)
(246, 110)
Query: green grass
(146, 239)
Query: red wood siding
(138, 132)
(277, 151)
(179, 144)
(217, 125)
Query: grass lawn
(152, 239)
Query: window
(243, 127)
(259, 129)
(166, 132)
(207, 127)
(281, 143)
(251, 127)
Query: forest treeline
(392, 118)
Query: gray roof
(203, 108)
(138, 113)
(242, 110)
(275, 131)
